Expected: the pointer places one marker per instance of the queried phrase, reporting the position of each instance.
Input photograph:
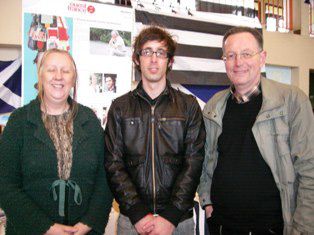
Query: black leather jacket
(154, 153)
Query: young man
(155, 138)
(110, 84)
(258, 170)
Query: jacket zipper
(152, 108)
(171, 119)
(153, 157)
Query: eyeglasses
(244, 55)
(148, 52)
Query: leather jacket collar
(139, 91)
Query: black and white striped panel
(198, 56)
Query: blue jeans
(125, 227)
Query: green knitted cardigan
(28, 167)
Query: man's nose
(238, 60)
(154, 56)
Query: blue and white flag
(10, 85)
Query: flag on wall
(198, 56)
(10, 85)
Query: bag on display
(32, 44)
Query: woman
(116, 44)
(52, 179)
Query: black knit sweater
(244, 192)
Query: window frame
(277, 9)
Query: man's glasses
(244, 55)
(148, 52)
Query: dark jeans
(215, 229)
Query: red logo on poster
(91, 9)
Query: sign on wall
(97, 35)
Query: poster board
(97, 35)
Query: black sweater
(244, 192)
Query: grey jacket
(284, 133)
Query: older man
(258, 172)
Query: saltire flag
(10, 85)
(198, 56)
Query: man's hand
(60, 229)
(161, 226)
(82, 229)
(208, 211)
(141, 227)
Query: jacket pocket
(135, 161)
(171, 160)
(281, 135)
(170, 169)
(171, 133)
(172, 122)
(136, 169)
(133, 134)
(286, 163)
(281, 140)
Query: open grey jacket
(284, 133)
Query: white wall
(10, 29)
(10, 22)
(291, 50)
(9, 53)
(279, 73)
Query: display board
(97, 35)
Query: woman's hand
(60, 229)
(82, 229)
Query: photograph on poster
(42, 32)
(90, 88)
(96, 83)
(46, 32)
(110, 83)
(96, 89)
(110, 42)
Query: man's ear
(170, 63)
(263, 56)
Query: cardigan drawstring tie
(62, 184)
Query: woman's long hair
(73, 104)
